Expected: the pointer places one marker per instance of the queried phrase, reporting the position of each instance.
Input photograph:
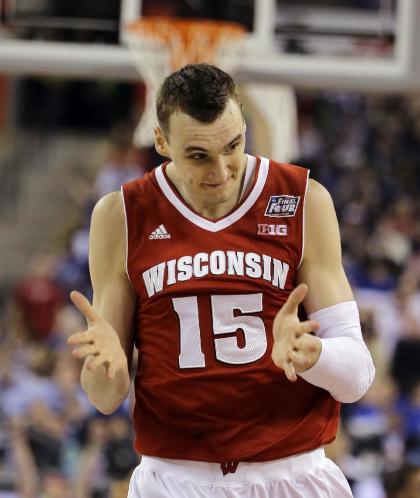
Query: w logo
(229, 467)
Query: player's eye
(198, 156)
(232, 147)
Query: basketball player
(211, 255)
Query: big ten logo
(263, 229)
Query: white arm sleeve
(345, 366)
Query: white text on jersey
(236, 263)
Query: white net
(160, 47)
(152, 60)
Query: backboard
(355, 44)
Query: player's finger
(289, 370)
(295, 298)
(307, 327)
(95, 362)
(278, 356)
(84, 306)
(80, 338)
(111, 371)
(306, 344)
(84, 351)
(299, 360)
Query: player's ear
(160, 142)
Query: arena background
(332, 85)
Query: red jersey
(208, 291)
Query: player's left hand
(295, 349)
(99, 345)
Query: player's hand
(295, 350)
(99, 345)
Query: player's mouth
(215, 185)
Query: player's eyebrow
(190, 148)
(238, 137)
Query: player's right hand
(99, 345)
(295, 349)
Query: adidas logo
(160, 233)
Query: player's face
(208, 158)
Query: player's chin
(218, 198)
(218, 195)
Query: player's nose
(220, 171)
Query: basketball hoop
(161, 45)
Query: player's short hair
(199, 90)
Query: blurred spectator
(38, 377)
(36, 450)
(391, 315)
(68, 322)
(404, 483)
(45, 429)
(26, 477)
(70, 399)
(55, 485)
(310, 140)
(37, 299)
(91, 480)
(119, 453)
(405, 361)
(124, 164)
(392, 238)
(73, 268)
(374, 426)
(374, 343)
(24, 379)
(412, 424)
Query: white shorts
(308, 475)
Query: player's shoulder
(293, 172)
(317, 195)
(287, 166)
(109, 202)
(109, 209)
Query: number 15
(224, 321)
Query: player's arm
(106, 346)
(336, 358)
(321, 268)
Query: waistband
(284, 468)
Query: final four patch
(280, 206)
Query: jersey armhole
(303, 219)
(126, 233)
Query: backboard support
(399, 71)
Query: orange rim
(186, 32)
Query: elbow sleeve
(345, 367)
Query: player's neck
(213, 211)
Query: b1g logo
(280, 206)
(263, 229)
